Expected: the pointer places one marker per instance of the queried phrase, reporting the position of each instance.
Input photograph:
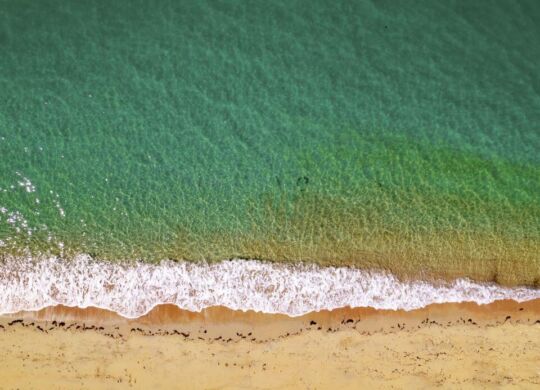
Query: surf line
(132, 289)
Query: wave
(132, 289)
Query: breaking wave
(132, 289)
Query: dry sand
(449, 345)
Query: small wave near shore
(132, 289)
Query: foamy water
(133, 289)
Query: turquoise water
(346, 132)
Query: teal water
(326, 131)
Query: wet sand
(454, 345)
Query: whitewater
(132, 289)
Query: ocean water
(398, 137)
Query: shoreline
(221, 323)
(395, 335)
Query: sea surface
(394, 137)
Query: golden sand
(449, 345)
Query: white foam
(133, 289)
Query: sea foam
(133, 288)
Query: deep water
(402, 135)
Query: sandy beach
(449, 345)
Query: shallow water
(402, 136)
